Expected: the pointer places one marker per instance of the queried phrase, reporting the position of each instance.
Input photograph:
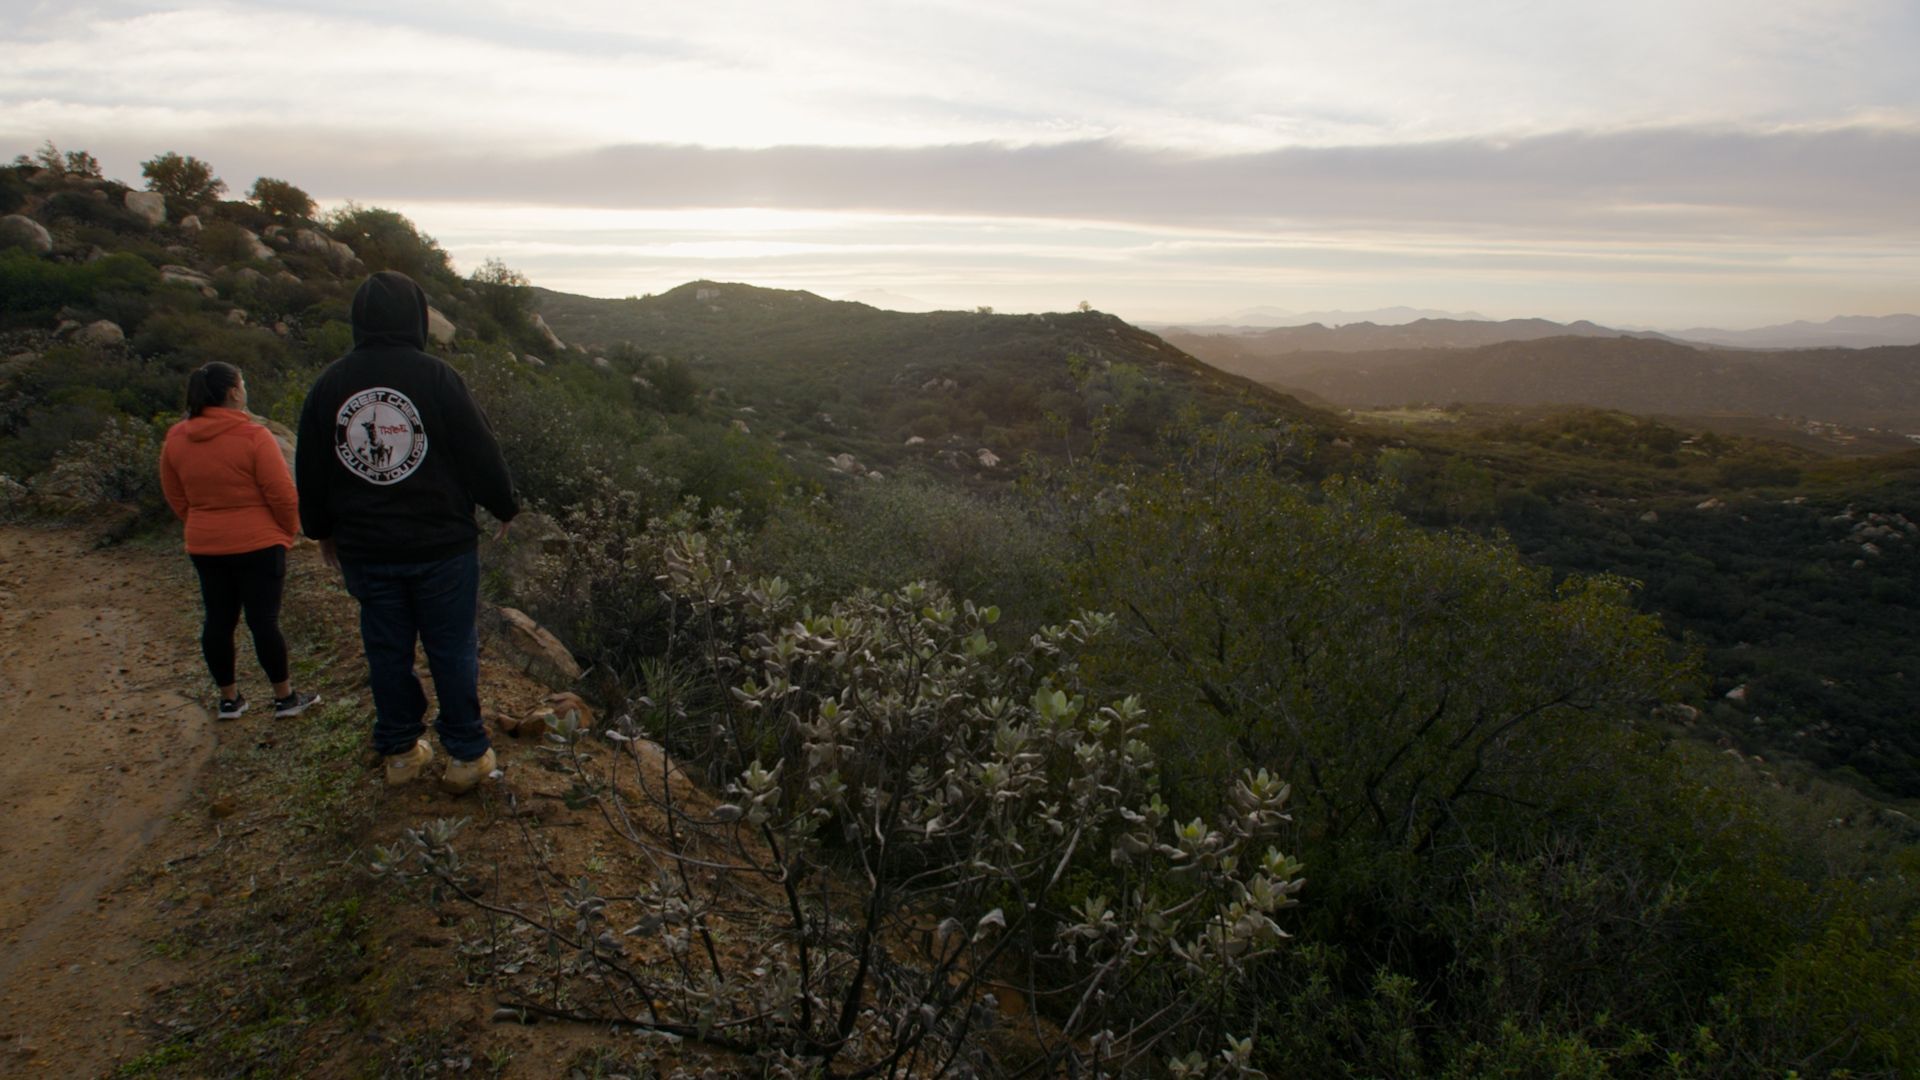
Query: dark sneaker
(294, 704)
(232, 708)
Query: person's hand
(502, 534)
(329, 554)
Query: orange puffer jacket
(224, 476)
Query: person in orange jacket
(224, 476)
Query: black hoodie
(393, 452)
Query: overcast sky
(1679, 163)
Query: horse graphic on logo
(378, 452)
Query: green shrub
(83, 208)
(909, 529)
(32, 287)
(41, 430)
(225, 242)
(13, 190)
(721, 467)
(119, 465)
(386, 240)
(883, 751)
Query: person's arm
(276, 483)
(481, 462)
(171, 486)
(310, 470)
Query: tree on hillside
(81, 163)
(281, 199)
(504, 292)
(386, 240)
(185, 178)
(73, 163)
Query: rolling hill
(854, 378)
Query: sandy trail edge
(103, 712)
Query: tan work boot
(462, 776)
(404, 767)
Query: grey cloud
(1849, 181)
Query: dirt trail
(99, 669)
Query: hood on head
(389, 309)
(215, 421)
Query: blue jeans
(436, 603)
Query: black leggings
(230, 583)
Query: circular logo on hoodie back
(378, 436)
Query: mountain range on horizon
(1847, 331)
(1231, 349)
(887, 300)
(1342, 330)
(1269, 317)
(1405, 327)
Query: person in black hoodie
(393, 455)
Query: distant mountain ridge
(1848, 331)
(1877, 387)
(1269, 317)
(890, 301)
(1262, 355)
(1271, 331)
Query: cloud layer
(1725, 160)
(1853, 181)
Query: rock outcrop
(173, 274)
(257, 248)
(18, 230)
(546, 331)
(148, 206)
(532, 648)
(340, 258)
(102, 334)
(282, 435)
(440, 329)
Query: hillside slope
(856, 376)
